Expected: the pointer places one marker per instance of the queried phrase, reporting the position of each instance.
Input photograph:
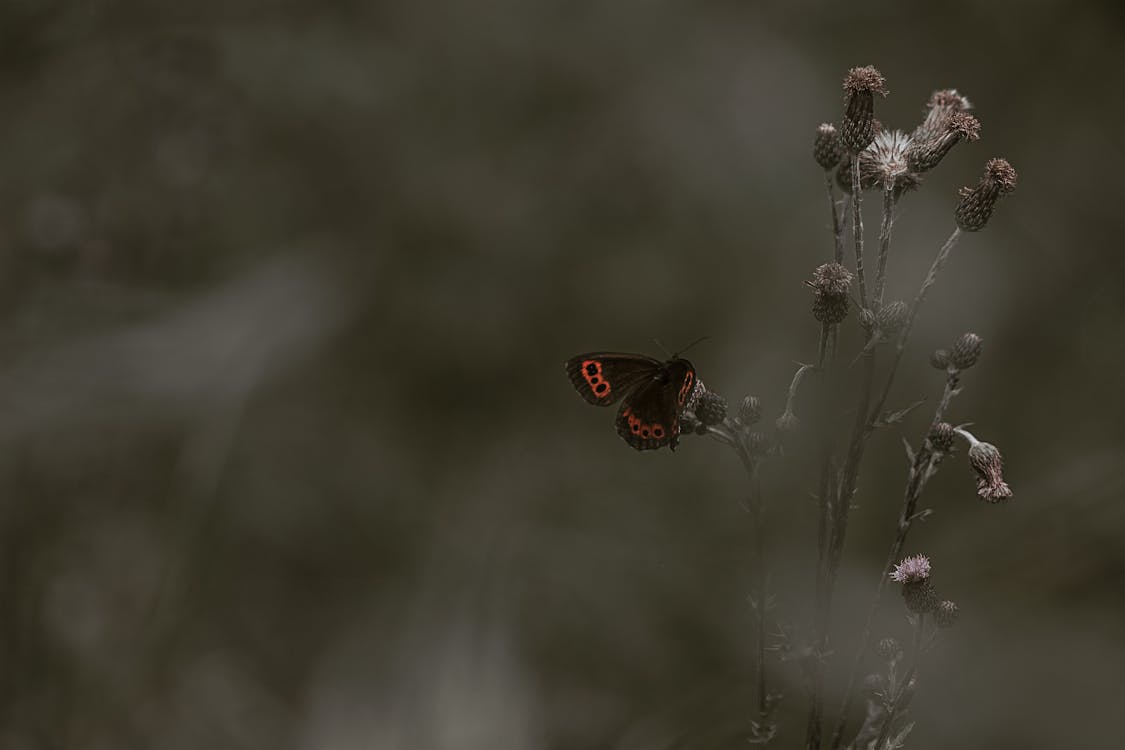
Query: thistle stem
(837, 220)
(857, 230)
(884, 243)
(925, 460)
(755, 508)
(904, 685)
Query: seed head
(711, 409)
(830, 283)
(858, 126)
(924, 155)
(885, 163)
(941, 437)
(939, 359)
(912, 570)
(892, 317)
(750, 411)
(827, 148)
(977, 203)
(966, 351)
(987, 463)
(889, 649)
(946, 614)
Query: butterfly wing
(603, 378)
(649, 418)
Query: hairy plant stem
(837, 220)
(884, 244)
(857, 231)
(903, 686)
(922, 468)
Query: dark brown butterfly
(653, 392)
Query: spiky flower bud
(830, 284)
(912, 570)
(939, 359)
(858, 127)
(892, 317)
(787, 423)
(750, 411)
(920, 596)
(711, 409)
(946, 614)
(966, 351)
(689, 422)
(941, 437)
(867, 320)
(977, 203)
(827, 149)
(889, 648)
(987, 463)
(923, 155)
(942, 105)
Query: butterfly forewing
(603, 378)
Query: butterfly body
(652, 393)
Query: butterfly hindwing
(649, 418)
(603, 378)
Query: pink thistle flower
(912, 570)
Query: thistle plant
(859, 155)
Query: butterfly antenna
(663, 349)
(699, 340)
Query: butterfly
(652, 393)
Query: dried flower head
(966, 351)
(750, 411)
(827, 149)
(942, 105)
(941, 437)
(987, 463)
(977, 203)
(858, 127)
(946, 614)
(912, 570)
(711, 409)
(830, 283)
(885, 163)
(926, 154)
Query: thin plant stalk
(857, 231)
(837, 220)
(925, 460)
(904, 685)
(889, 202)
(754, 507)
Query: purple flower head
(912, 570)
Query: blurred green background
(289, 457)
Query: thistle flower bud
(858, 127)
(889, 649)
(939, 359)
(830, 283)
(912, 570)
(923, 155)
(711, 409)
(892, 317)
(946, 614)
(689, 422)
(977, 203)
(758, 443)
(884, 164)
(920, 597)
(867, 320)
(827, 149)
(787, 423)
(941, 437)
(966, 351)
(750, 411)
(942, 105)
(987, 463)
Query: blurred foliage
(290, 457)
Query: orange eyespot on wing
(644, 434)
(685, 389)
(592, 372)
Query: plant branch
(904, 685)
(837, 220)
(857, 230)
(884, 243)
